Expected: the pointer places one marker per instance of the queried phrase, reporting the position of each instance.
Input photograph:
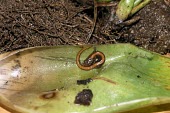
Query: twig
(40, 32)
(94, 23)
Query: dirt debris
(68, 22)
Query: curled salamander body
(95, 60)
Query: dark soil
(153, 31)
(28, 23)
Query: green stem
(124, 9)
(137, 2)
(140, 6)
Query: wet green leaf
(44, 80)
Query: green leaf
(44, 80)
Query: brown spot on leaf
(138, 76)
(167, 87)
(36, 107)
(17, 54)
(30, 51)
(84, 82)
(49, 95)
(168, 62)
(84, 97)
(17, 65)
(31, 61)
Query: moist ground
(28, 23)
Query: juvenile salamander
(95, 60)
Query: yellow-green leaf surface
(44, 80)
